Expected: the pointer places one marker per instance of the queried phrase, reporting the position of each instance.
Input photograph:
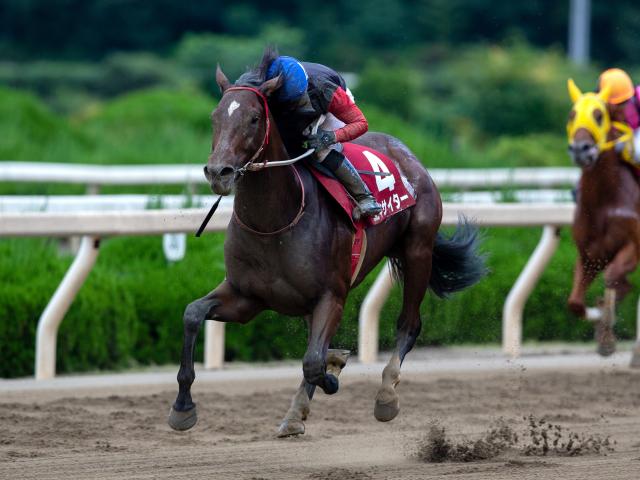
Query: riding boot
(349, 177)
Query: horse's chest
(599, 237)
(278, 272)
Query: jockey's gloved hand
(321, 140)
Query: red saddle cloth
(391, 192)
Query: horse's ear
(221, 79)
(605, 93)
(574, 91)
(271, 86)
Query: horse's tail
(457, 264)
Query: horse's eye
(255, 119)
(598, 116)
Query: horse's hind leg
(222, 304)
(416, 263)
(616, 288)
(293, 421)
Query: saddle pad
(391, 191)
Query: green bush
(394, 90)
(31, 132)
(199, 53)
(149, 126)
(67, 86)
(490, 91)
(533, 150)
(129, 311)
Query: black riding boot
(349, 177)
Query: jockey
(624, 102)
(309, 90)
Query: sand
(121, 432)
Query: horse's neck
(600, 185)
(267, 199)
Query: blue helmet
(294, 77)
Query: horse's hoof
(336, 360)
(606, 350)
(387, 405)
(182, 420)
(289, 428)
(577, 308)
(330, 384)
(635, 357)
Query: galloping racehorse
(606, 227)
(288, 249)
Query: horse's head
(240, 130)
(588, 125)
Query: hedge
(129, 312)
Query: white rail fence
(93, 226)
(120, 202)
(98, 175)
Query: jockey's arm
(343, 108)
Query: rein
(290, 225)
(627, 136)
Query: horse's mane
(256, 76)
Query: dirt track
(123, 433)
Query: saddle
(389, 187)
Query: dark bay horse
(288, 249)
(606, 227)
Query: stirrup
(367, 207)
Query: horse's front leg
(293, 421)
(322, 327)
(582, 278)
(223, 304)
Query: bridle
(253, 165)
(584, 107)
(267, 130)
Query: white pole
(635, 353)
(213, 344)
(369, 317)
(579, 31)
(517, 298)
(638, 322)
(59, 305)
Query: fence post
(213, 344)
(517, 298)
(46, 339)
(369, 317)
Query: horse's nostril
(226, 171)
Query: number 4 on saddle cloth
(393, 192)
